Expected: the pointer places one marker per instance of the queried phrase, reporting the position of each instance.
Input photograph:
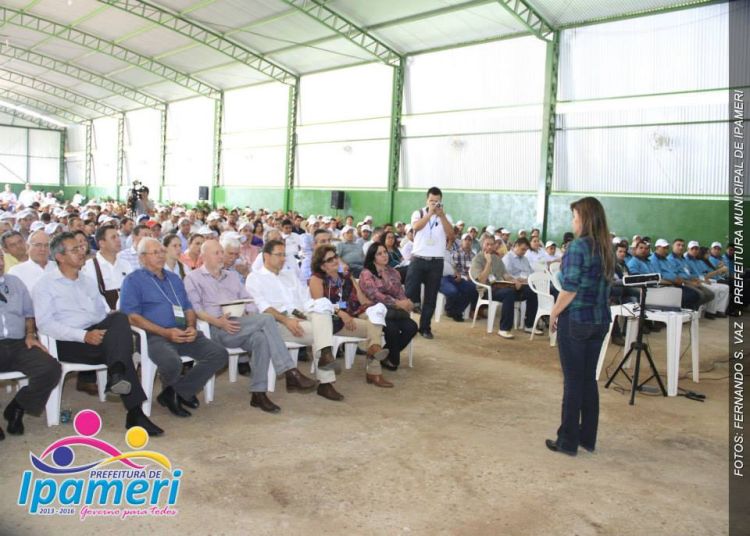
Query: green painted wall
(704, 220)
(92, 192)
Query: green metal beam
(58, 66)
(62, 158)
(88, 156)
(291, 143)
(30, 118)
(205, 36)
(218, 121)
(40, 106)
(394, 158)
(529, 17)
(347, 29)
(60, 92)
(120, 153)
(66, 33)
(163, 153)
(547, 167)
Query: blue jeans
(508, 296)
(458, 295)
(579, 345)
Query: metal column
(218, 119)
(394, 155)
(163, 153)
(87, 157)
(547, 167)
(291, 144)
(120, 152)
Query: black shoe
(417, 309)
(191, 402)
(262, 402)
(388, 365)
(587, 449)
(170, 400)
(243, 369)
(14, 415)
(302, 355)
(136, 417)
(710, 316)
(719, 314)
(116, 382)
(427, 334)
(552, 445)
(2, 434)
(458, 318)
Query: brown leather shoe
(376, 352)
(261, 401)
(326, 390)
(327, 360)
(87, 387)
(298, 382)
(378, 380)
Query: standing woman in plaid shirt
(581, 317)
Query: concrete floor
(456, 448)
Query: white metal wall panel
(44, 143)
(104, 141)
(12, 168)
(143, 148)
(44, 170)
(190, 142)
(254, 136)
(13, 141)
(681, 50)
(507, 161)
(359, 164)
(681, 159)
(503, 73)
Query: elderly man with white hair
(32, 270)
(155, 300)
(212, 285)
(233, 261)
(350, 252)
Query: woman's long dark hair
(594, 225)
(369, 263)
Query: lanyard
(173, 291)
(339, 285)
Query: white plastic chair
(485, 298)
(148, 373)
(555, 277)
(539, 282)
(13, 376)
(55, 397)
(350, 349)
(293, 348)
(440, 307)
(234, 353)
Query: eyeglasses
(159, 252)
(329, 259)
(40, 245)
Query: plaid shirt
(582, 274)
(461, 261)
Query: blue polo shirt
(680, 266)
(664, 267)
(637, 266)
(152, 297)
(697, 267)
(729, 263)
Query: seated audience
(172, 262)
(459, 291)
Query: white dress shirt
(113, 274)
(430, 240)
(284, 292)
(30, 272)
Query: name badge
(342, 305)
(179, 316)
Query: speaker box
(203, 193)
(337, 199)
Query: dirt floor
(457, 447)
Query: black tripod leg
(619, 368)
(656, 372)
(634, 384)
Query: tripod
(639, 346)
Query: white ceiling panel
(232, 76)
(560, 12)
(21, 37)
(305, 60)
(289, 30)
(156, 42)
(168, 91)
(112, 24)
(61, 49)
(195, 59)
(135, 76)
(226, 15)
(22, 67)
(63, 11)
(367, 12)
(100, 63)
(121, 103)
(179, 5)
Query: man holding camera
(433, 232)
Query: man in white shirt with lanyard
(106, 268)
(433, 231)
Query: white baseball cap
(35, 226)
(366, 227)
(715, 245)
(616, 240)
(661, 243)
(504, 231)
(465, 236)
(490, 229)
(368, 218)
(346, 229)
(459, 222)
(693, 244)
(550, 243)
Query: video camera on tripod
(641, 280)
(134, 195)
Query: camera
(439, 205)
(134, 195)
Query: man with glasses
(280, 293)
(213, 284)
(14, 247)
(70, 309)
(32, 270)
(155, 300)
